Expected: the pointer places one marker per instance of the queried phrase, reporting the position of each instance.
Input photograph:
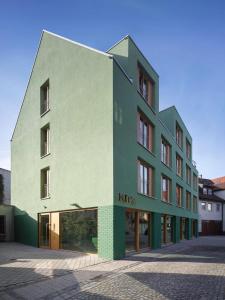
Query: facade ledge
(169, 167)
(44, 113)
(43, 156)
(147, 196)
(146, 149)
(169, 203)
(46, 198)
(152, 109)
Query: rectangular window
(165, 188)
(45, 180)
(188, 175)
(188, 150)
(205, 191)
(145, 132)
(146, 86)
(44, 97)
(79, 230)
(203, 205)
(145, 179)
(165, 152)
(209, 206)
(179, 165)
(45, 140)
(179, 193)
(217, 206)
(209, 191)
(188, 200)
(195, 182)
(179, 136)
(195, 208)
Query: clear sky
(183, 40)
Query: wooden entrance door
(55, 230)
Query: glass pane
(141, 170)
(145, 181)
(141, 131)
(162, 230)
(144, 230)
(130, 230)
(44, 231)
(168, 229)
(78, 230)
(183, 228)
(145, 135)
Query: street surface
(189, 270)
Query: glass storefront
(169, 228)
(130, 239)
(162, 230)
(166, 229)
(44, 230)
(144, 230)
(182, 228)
(138, 230)
(78, 230)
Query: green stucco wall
(81, 134)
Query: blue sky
(183, 40)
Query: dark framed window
(203, 205)
(145, 178)
(146, 86)
(165, 188)
(45, 140)
(188, 175)
(179, 136)
(145, 132)
(165, 152)
(195, 205)
(45, 183)
(188, 149)
(195, 182)
(179, 195)
(188, 200)
(179, 165)
(44, 97)
(218, 206)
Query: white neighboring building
(220, 183)
(211, 208)
(6, 210)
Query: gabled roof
(174, 109)
(138, 49)
(39, 44)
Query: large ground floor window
(137, 230)
(78, 230)
(70, 230)
(183, 228)
(166, 229)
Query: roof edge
(39, 44)
(76, 43)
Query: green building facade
(96, 167)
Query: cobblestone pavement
(189, 270)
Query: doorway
(137, 230)
(44, 230)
